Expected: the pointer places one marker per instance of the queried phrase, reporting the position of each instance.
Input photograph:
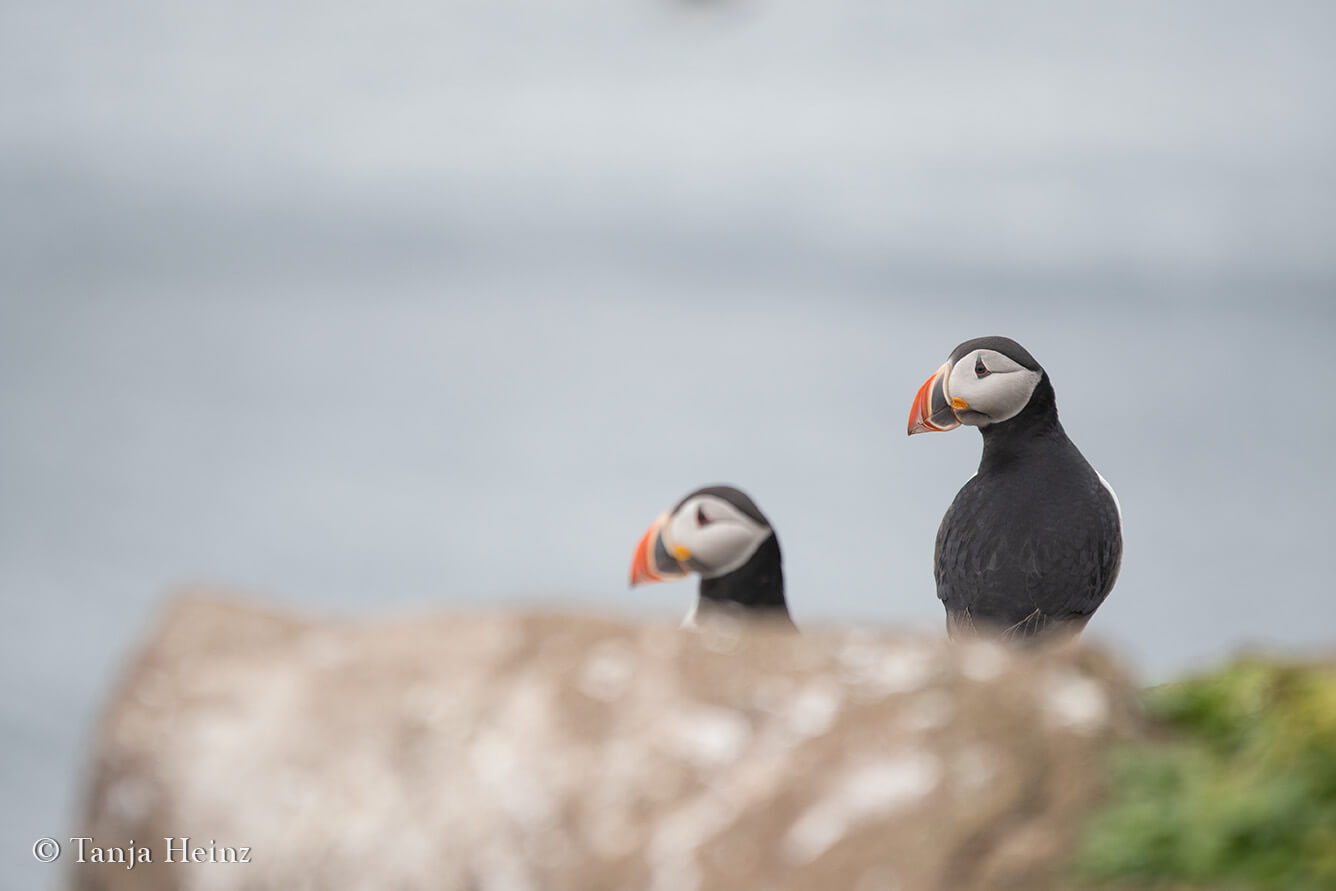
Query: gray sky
(428, 306)
(1180, 138)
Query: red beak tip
(641, 571)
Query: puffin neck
(757, 584)
(1004, 442)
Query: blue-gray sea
(432, 306)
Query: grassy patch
(1240, 794)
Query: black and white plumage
(1033, 542)
(720, 534)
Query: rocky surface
(542, 751)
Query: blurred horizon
(436, 306)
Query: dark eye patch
(701, 519)
(980, 369)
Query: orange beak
(652, 562)
(932, 411)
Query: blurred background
(434, 306)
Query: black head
(711, 532)
(1002, 345)
(718, 533)
(985, 381)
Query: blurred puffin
(721, 535)
(1033, 542)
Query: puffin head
(712, 532)
(984, 381)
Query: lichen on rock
(532, 750)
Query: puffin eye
(980, 370)
(701, 519)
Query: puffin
(1032, 544)
(720, 534)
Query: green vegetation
(1241, 792)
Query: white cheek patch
(997, 396)
(724, 543)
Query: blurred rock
(541, 751)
